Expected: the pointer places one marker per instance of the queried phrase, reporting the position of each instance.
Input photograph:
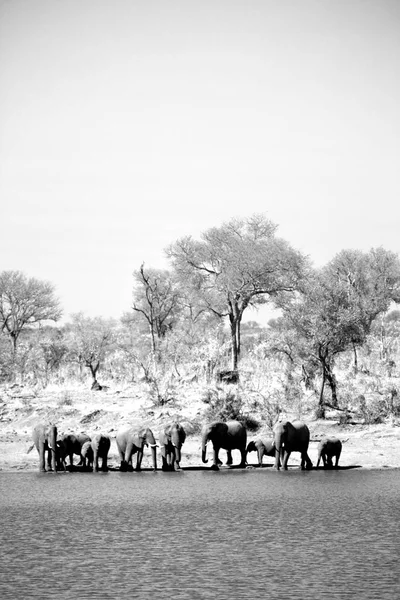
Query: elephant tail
(30, 448)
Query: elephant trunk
(154, 455)
(204, 448)
(128, 452)
(53, 446)
(95, 459)
(177, 452)
(278, 452)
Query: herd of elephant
(287, 438)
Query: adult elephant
(72, 444)
(291, 437)
(230, 435)
(171, 439)
(97, 448)
(45, 440)
(263, 446)
(329, 448)
(131, 440)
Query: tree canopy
(240, 264)
(24, 302)
(339, 304)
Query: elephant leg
(139, 460)
(42, 458)
(104, 463)
(216, 461)
(229, 457)
(337, 460)
(307, 461)
(243, 454)
(260, 453)
(285, 459)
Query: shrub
(65, 399)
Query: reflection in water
(200, 534)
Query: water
(201, 534)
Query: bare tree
(156, 299)
(90, 340)
(25, 302)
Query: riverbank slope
(76, 409)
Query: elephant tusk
(152, 445)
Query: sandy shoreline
(375, 446)
(364, 446)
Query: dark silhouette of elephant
(291, 437)
(230, 435)
(97, 448)
(329, 448)
(131, 440)
(71, 444)
(171, 439)
(263, 446)
(45, 440)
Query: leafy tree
(90, 341)
(338, 306)
(156, 299)
(240, 264)
(25, 302)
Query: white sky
(126, 124)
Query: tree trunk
(234, 341)
(320, 414)
(355, 366)
(331, 379)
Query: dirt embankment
(364, 446)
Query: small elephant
(328, 448)
(131, 440)
(291, 437)
(171, 439)
(97, 448)
(263, 446)
(45, 440)
(72, 444)
(230, 435)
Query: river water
(199, 534)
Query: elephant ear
(220, 428)
(149, 437)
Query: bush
(65, 399)
(223, 405)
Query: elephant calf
(328, 448)
(263, 446)
(97, 448)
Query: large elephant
(97, 448)
(263, 446)
(131, 440)
(291, 437)
(328, 448)
(230, 435)
(45, 440)
(171, 439)
(72, 444)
